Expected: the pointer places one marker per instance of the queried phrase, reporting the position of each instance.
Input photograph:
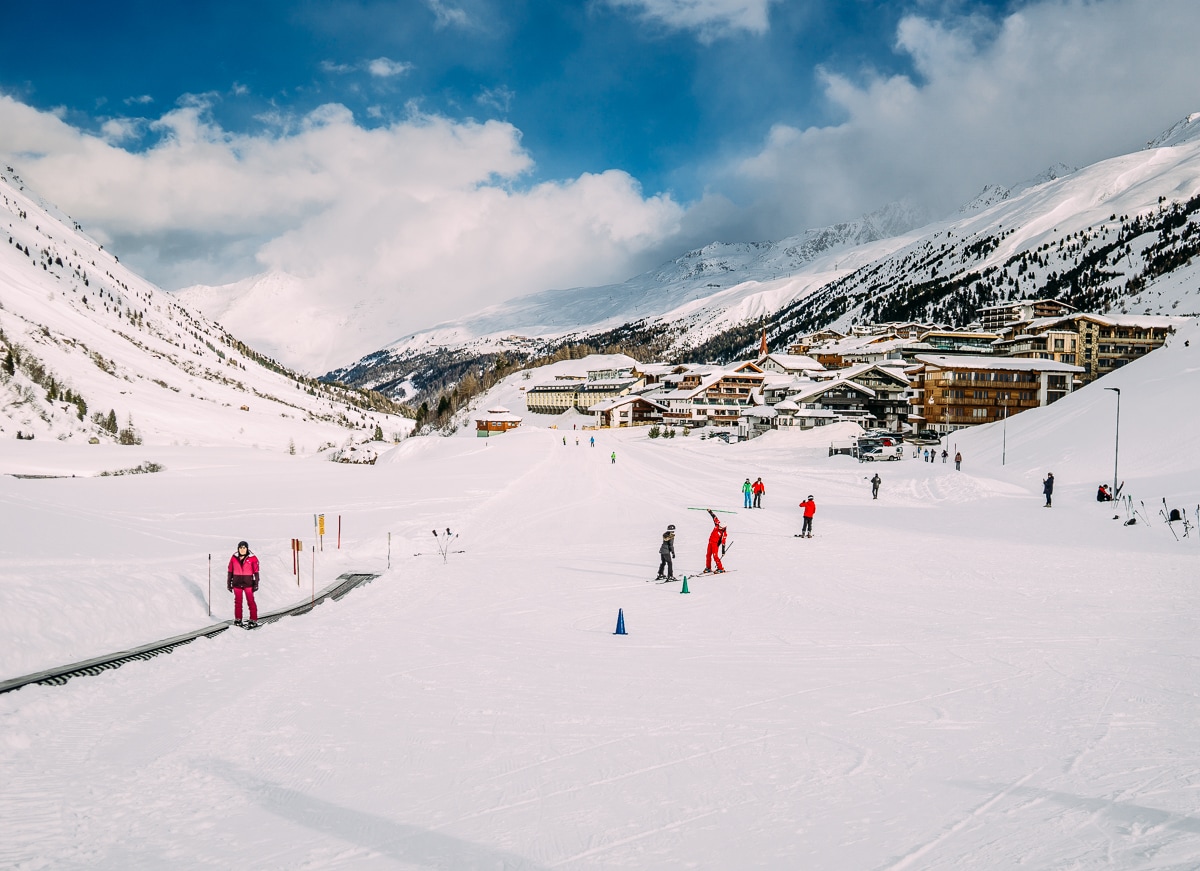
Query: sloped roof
(1009, 364)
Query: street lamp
(1004, 433)
(1117, 443)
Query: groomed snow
(950, 677)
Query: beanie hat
(242, 544)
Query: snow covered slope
(947, 677)
(91, 350)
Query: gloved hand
(229, 586)
(255, 584)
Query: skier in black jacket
(666, 552)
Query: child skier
(242, 579)
(716, 541)
(666, 553)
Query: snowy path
(947, 678)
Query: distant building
(711, 396)
(788, 364)
(956, 391)
(606, 384)
(553, 398)
(993, 318)
(496, 420)
(629, 410)
(960, 341)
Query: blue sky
(591, 85)
(488, 148)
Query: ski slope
(950, 677)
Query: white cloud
(142, 100)
(499, 98)
(401, 225)
(708, 18)
(448, 16)
(385, 68)
(1060, 81)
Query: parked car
(882, 452)
(926, 437)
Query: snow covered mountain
(90, 350)
(1119, 235)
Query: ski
(713, 510)
(693, 576)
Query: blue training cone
(620, 622)
(685, 589)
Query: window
(979, 412)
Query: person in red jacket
(759, 488)
(716, 542)
(810, 508)
(242, 579)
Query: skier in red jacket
(242, 579)
(810, 508)
(716, 542)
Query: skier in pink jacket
(242, 579)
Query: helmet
(670, 526)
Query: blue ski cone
(620, 622)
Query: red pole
(314, 576)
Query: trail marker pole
(210, 585)
(389, 550)
(339, 547)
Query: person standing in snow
(759, 489)
(945, 454)
(958, 461)
(747, 490)
(875, 482)
(810, 509)
(1048, 488)
(716, 543)
(242, 579)
(593, 441)
(925, 458)
(614, 458)
(666, 553)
